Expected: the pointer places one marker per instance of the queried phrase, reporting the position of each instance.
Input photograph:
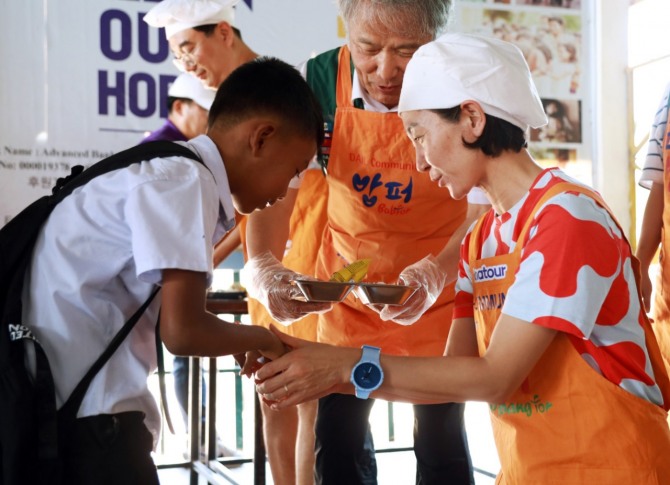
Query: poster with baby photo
(564, 123)
(574, 4)
(490, 1)
(551, 3)
(553, 37)
(550, 42)
(499, 1)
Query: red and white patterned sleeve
(571, 265)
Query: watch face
(367, 375)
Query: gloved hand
(270, 283)
(430, 277)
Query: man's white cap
(460, 67)
(178, 15)
(188, 86)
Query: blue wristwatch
(367, 375)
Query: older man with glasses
(381, 208)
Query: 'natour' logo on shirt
(497, 272)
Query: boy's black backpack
(29, 422)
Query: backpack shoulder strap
(68, 411)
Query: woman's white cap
(460, 67)
(189, 87)
(178, 15)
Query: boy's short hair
(268, 85)
(498, 135)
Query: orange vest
(567, 424)
(380, 207)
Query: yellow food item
(353, 272)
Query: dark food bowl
(324, 291)
(383, 294)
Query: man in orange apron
(656, 224)
(549, 326)
(378, 208)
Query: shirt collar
(357, 92)
(209, 153)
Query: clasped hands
(307, 371)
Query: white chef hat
(188, 86)
(178, 15)
(459, 67)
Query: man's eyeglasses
(186, 60)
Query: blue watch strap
(370, 354)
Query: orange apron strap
(474, 239)
(553, 191)
(343, 95)
(558, 188)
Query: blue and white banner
(83, 79)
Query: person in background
(188, 105)
(379, 208)
(202, 37)
(207, 46)
(656, 224)
(548, 328)
(105, 248)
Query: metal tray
(324, 291)
(384, 294)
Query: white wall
(610, 128)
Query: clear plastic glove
(429, 276)
(271, 284)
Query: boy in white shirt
(107, 245)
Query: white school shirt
(97, 259)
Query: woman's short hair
(498, 135)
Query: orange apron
(307, 221)
(380, 207)
(662, 294)
(566, 424)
